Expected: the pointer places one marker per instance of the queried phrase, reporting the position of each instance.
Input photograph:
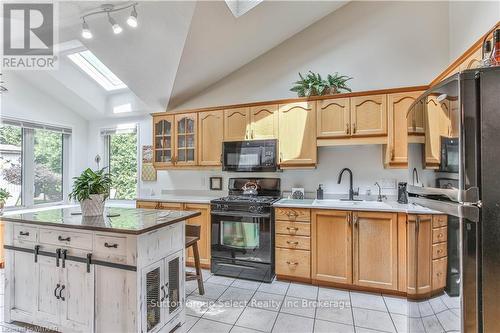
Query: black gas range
(242, 226)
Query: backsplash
(364, 161)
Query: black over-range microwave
(250, 156)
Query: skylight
(91, 65)
(241, 7)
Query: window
(33, 163)
(11, 155)
(241, 7)
(121, 151)
(48, 164)
(91, 65)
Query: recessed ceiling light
(132, 19)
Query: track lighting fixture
(107, 9)
(132, 19)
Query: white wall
(469, 20)
(380, 44)
(26, 102)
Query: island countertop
(133, 221)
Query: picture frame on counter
(216, 183)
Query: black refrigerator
(458, 158)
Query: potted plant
(312, 84)
(4, 195)
(91, 189)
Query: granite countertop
(129, 220)
(385, 206)
(201, 199)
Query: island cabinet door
(77, 297)
(375, 250)
(23, 278)
(153, 295)
(47, 288)
(173, 285)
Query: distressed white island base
(70, 273)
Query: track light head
(132, 19)
(115, 26)
(86, 33)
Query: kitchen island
(121, 272)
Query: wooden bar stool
(192, 238)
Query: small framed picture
(216, 183)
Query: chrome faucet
(380, 196)
(352, 193)
(414, 175)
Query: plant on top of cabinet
(4, 195)
(91, 189)
(314, 85)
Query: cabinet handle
(292, 228)
(414, 125)
(61, 239)
(252, 134)
(55, 291)
(22, 233)
(281, 157)
(60, 293)
(292, 213)
(392, 154)
(355, 217)
(162, 293)
(354, 128)
(115, 246)
(347, 129)
(292, 263)
(294, 243)
(349, 219)
(439, 251)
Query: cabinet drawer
(25, 233)
(110, 245)
(147, 204)
(171, 205)
(293, 263)
(439, 250)
(68, 238)
(439, 235)
(293, 214)
(439, 273)
(439, 221)
(293, 242)
(293, 228)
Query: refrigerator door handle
(466, 211)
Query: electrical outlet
(388, 183)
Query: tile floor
(240, 306)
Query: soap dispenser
(319, 192)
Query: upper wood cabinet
(297, 134)
(396, 151)
(185, 139)
(473, 61)
(333, 118)
(331, 246)
(236, 124)
(375, 250)
(415, 120)
(437, 124)
(210, 134)
(163, 128)
(369, 115)
(264, 122)
(419, 254)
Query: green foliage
(312, 84)
(48, 150)
(4, 195)
(90, 182)
(123, 165)
(10, 135)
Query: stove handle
(241, 214)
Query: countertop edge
(392, 209)
(180, 200)
(101, 229)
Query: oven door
(248, 156)
(242, 236)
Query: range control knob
(225, 207)
(255, 209)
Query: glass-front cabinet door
(162, 140)
(185, 139)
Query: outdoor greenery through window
(123, 165)
(11, 147)
(48, 150)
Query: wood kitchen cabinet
(375, 251)
(333, 118)
(236, 124)
(210, 137)
(297, 134)
(419, 254)
(331, 251)
(264, 122)
(437, 124)
(415, 121)
(369, 115)
(204, 243)
(163, 127)
(473, 61)
(396, 150)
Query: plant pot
(94, 206)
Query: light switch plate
(388, 183)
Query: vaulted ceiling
(179, 49)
